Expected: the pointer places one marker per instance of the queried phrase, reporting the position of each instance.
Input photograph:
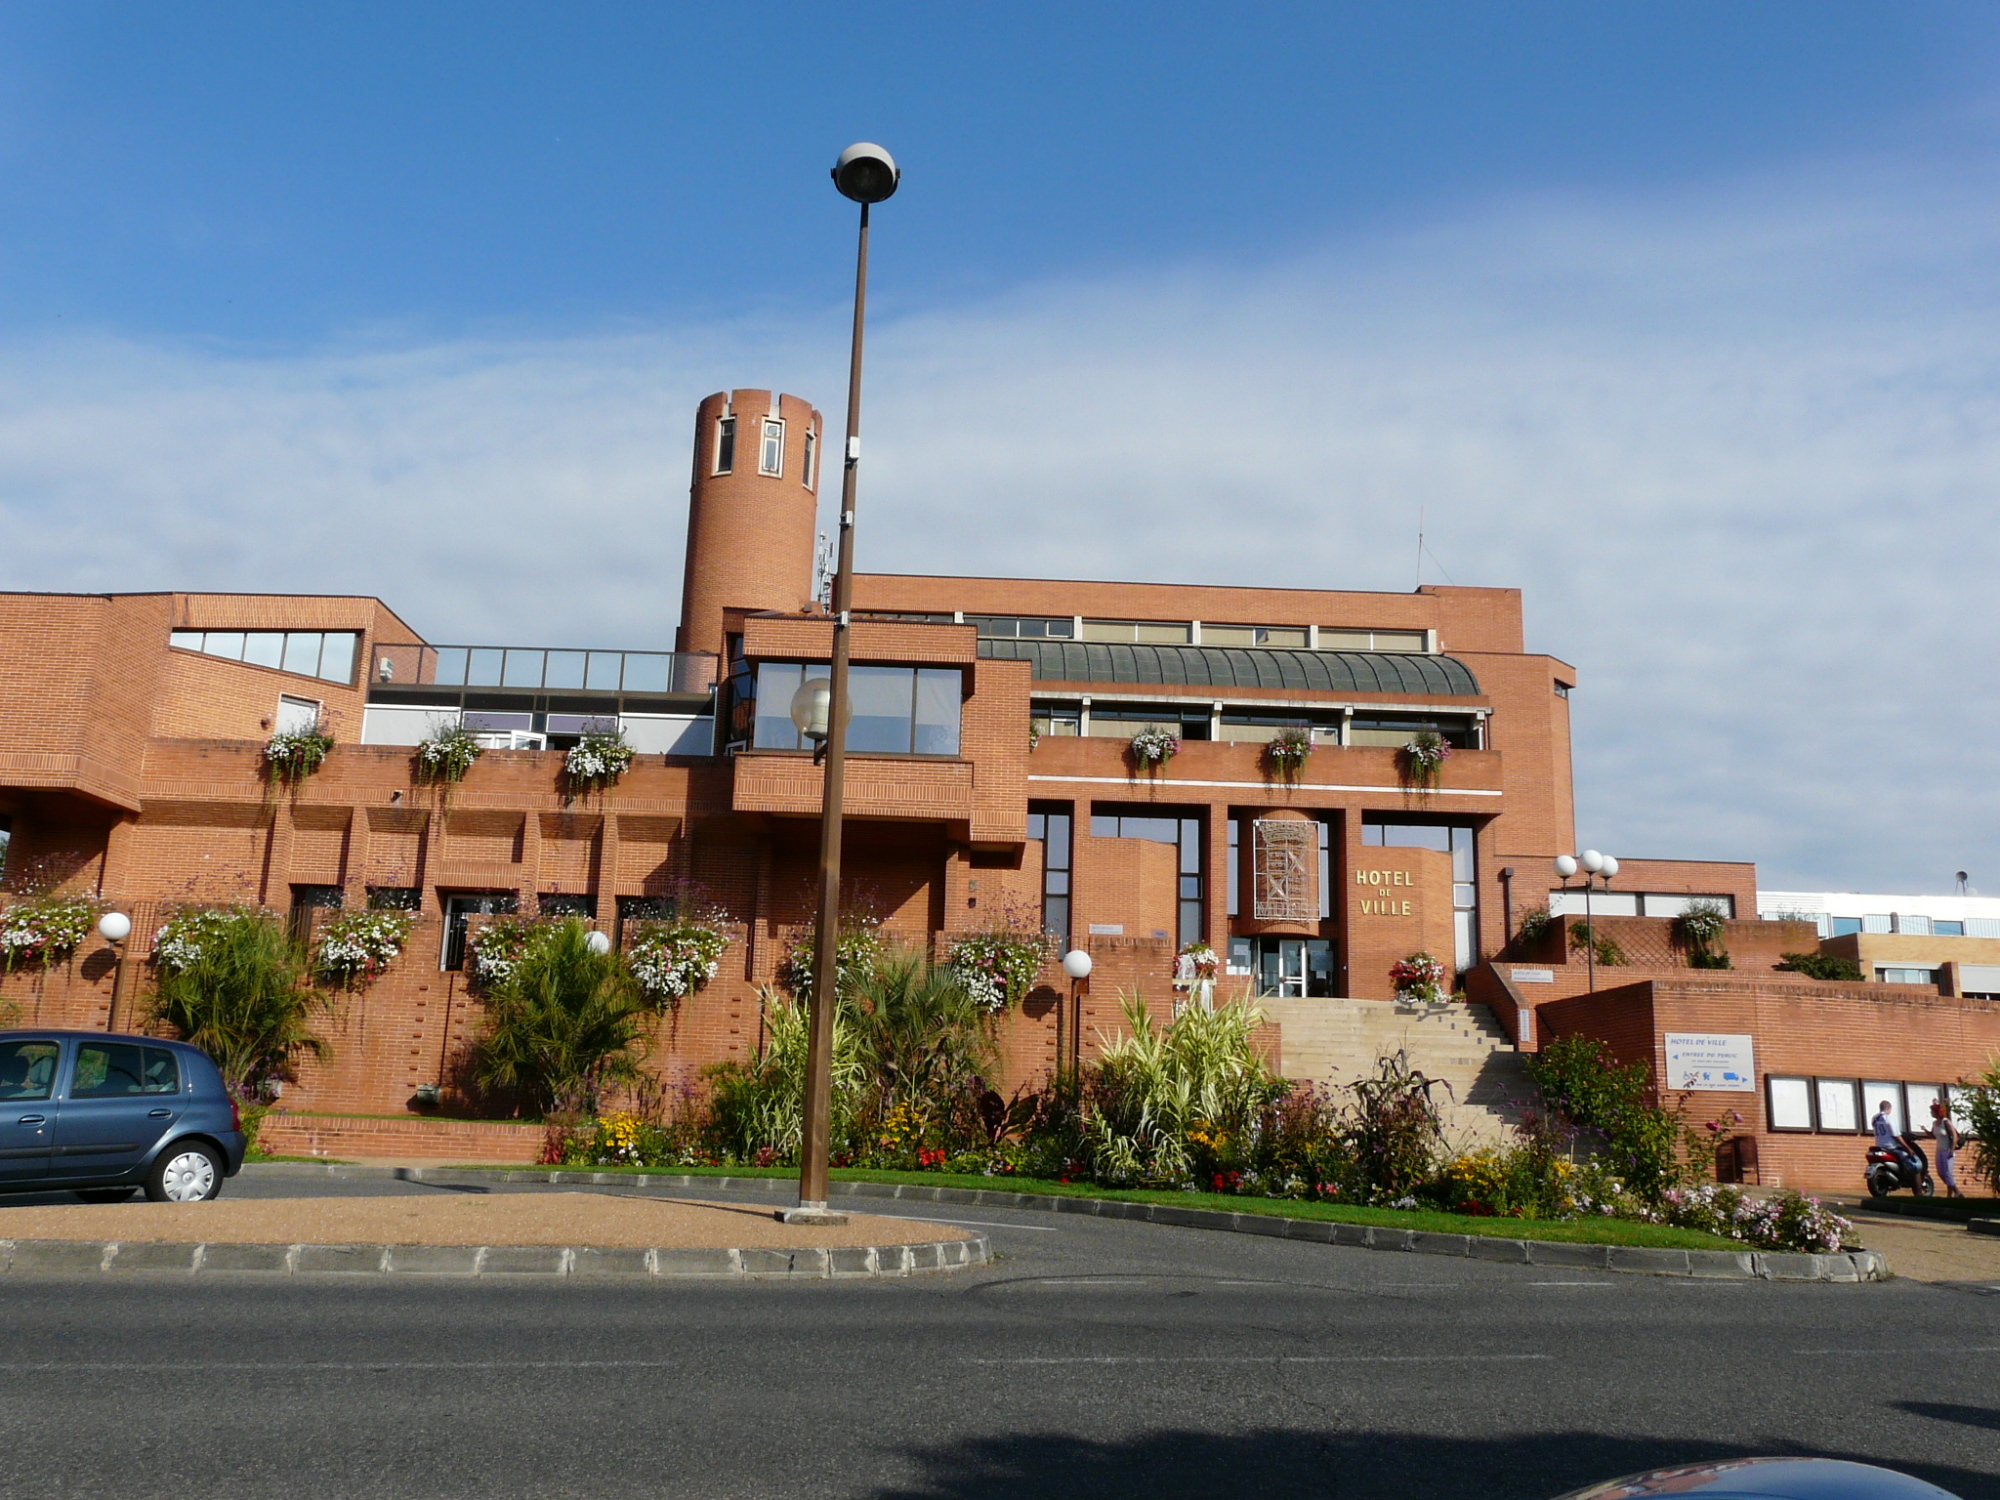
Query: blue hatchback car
(106, 1115)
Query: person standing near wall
(1945, 1135)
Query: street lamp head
(1076, 964)
(598, 943)
(811, 705)
(114, 927)
(1610, 867)
(1566, 865)
(1591, 861)
(866, 173)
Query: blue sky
(284, 173)
(1682, 319)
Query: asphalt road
(1093, 1359)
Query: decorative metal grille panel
(1286, 852)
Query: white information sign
(1702, 1060)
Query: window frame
(725, 445)
(1771, 1109)
(771, 432)
(811, 453)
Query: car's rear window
(108, 1070)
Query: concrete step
(1335, 1042)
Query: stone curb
(1708, 1265)
(835, 1263)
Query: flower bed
(189, 930)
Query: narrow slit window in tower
(725, 445)
(772, 460)
(806, 465)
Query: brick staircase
(1334, 1042)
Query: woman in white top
(1944, 1136)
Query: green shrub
(1982, 1112)
(561, 1024)
(1154, 1085)
(1605, 949)
(758, 1108)
(1394, 1131)
(234, 982)
(1822, 966)
(1583, 1089)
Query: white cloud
(1735, 445)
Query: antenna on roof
(1420, 546)
(1961, 882)
(823, 572)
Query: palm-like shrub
(1155, 1084)
(1394, 1130)
(241, 995)
(920, 1032)
(758, 1108)
(562, 1024)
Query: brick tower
(752, 510)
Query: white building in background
(1838, 913)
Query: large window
(1279, 637)
(725, 445)
(1447, 837)
(1051, 823)
(771, 456)
(1183, 831)
(326, 654)
(1024, 627)
(1120, 721)
(1159, 632)
(1369, 640)
(1397, 730)
(896, 710)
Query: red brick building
(991, 779)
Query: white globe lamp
(1591, 861)
(1566, 865)
(598, 943)
(114, 927)
(1076, 964)
(1610, 867)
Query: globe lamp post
(865, 174)
(1077, 965)
(1594, 867)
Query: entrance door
(27, 1106)
(1293, 967)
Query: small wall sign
(1703, 1060)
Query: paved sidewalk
(610, 1220)
(1927, 1249)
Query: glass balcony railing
(543, 668)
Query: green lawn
(1584, 1231)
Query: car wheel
(185, 1174)
(105, 1195)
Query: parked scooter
(1887, 1171)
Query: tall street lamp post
(866, 174)
(1595, 867)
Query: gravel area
(610, 1220)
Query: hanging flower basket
(671, 960)
(493, 952)
(997, 968)
(1422, 760)
(1152, 747)
(1421, 980)
(447, 753)
(1286, 754)
(597, 760)
(855, 959)
(356, 946)
(291, 755)
(44, 930)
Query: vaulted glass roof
(1239, 667)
